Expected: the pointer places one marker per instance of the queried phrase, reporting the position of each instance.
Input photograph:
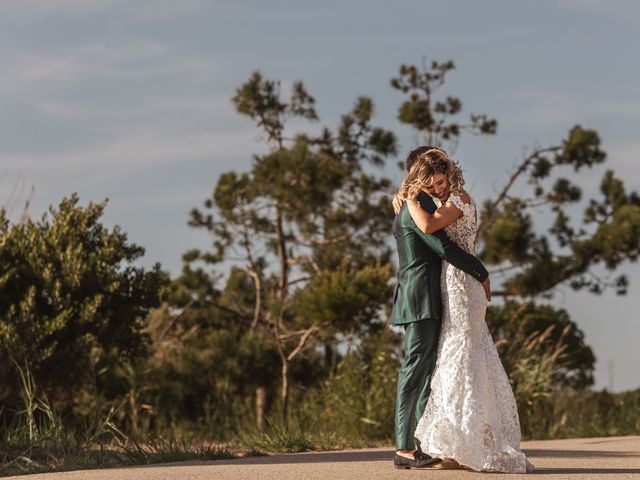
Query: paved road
(587, 458)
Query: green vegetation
(275, 339)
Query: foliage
(430, 116)
(535, 264)
(69, 289)
(516, 327)
(574, 414)
(359, 397)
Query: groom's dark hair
(415, 154)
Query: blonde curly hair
(429, 162)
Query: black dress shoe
(420, 460)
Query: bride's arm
(429, 223)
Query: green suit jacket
(417, 295)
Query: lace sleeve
(456, 199)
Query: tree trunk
(282, 256)
(261, 405)
(329, 356)
(133, 415)
(284, 396)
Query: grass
(300, 436)
(37, 441)
(118, 452)
(163, 450)
(13, 461)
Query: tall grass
(163, 450)
(36, 421)
(36, 440)
(571, 414)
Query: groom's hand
(487, 288)
(397, 203)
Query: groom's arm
(448, 250)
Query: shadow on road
(592, 471)
(533, 452)
(321, 457)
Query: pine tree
(309, 224)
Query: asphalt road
(587, 458)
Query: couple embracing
(451, 384)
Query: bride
(471, 419)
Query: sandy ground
(587, 458)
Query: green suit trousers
(414, 379)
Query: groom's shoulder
(403, 218)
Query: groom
(417, 306)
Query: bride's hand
(487, 288)
(397, 203)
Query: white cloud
(138, 150)
(30, 75)
(158, 109)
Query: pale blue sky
(130, 100)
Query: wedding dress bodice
(463, 231)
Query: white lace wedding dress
(471, 414)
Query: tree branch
(298, 280)
(171, 323)
(282, 255)
(318, 242)
(229, 310)
(503, 194)
(303, 339)
(253, 271)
